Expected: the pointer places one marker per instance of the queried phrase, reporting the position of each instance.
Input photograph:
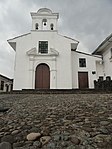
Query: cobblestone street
(56, 121)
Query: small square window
(43, 46)
(82, 62)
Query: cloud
(85, 20)
(88, 21)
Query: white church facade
(47, 60)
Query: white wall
(62, 62)
(21, 76)
(90, 66)
(64, 68)
(107, 62)
(99, 69)
(60, 66)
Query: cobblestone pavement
(56, 121)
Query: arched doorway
(42, 77)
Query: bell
(44, 23)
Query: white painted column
(31, 72)
(53, 74)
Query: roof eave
(13, 45)
(12, 42)
(103, 45)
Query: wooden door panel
(83, 79)
(42, 77)
(46, 78)
(39, 78)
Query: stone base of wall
(60, 91)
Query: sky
(88, 21)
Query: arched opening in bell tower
(44, 24)
(36, 26)
(52, 26)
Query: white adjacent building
(6, 83)
(104, 68)
(47, 60)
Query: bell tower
(44, 19)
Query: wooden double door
(42, 77)
(83, 80)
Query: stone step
(59, 91)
